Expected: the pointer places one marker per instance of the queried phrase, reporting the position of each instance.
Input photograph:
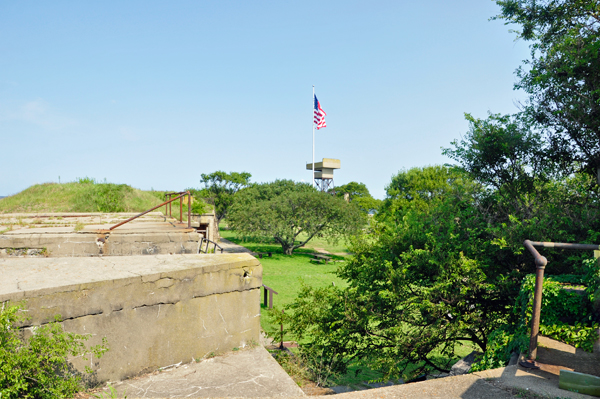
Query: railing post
(189, 210)
(537, 307)
(265, 296)
(281, 326)
(540, 263)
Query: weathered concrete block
(154, 310)
(117, 244)
(463, 366)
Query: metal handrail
(271, 292)
(166, 203)
(180, 194)
(201, 243)
(541, 263)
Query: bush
(37, 367)
(565, 316)
(502, 342)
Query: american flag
(319, 118)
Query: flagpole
(313, 127)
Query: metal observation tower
(323, 173)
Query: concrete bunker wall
(95, 244)
(155, 311)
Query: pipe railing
(541, 262)
(203, 240)
(166, 203)
(168, 207)
(271, 292)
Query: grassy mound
(85, 195)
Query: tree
(359, 194)
(504, 153)
(563, 75)
(442, 264)
(415, 287)
(283, 210)
(220, 189)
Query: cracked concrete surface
(247, 373)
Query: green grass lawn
(284, 273)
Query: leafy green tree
(359, 194)
(563, 75)
(414, 290)
(283, 210)
(220, 188)
(527, 195)
(442, 266)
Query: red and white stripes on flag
(319, 118)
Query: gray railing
(208, 242)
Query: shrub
(37, 367)
(502, 342)
(565, 316)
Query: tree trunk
(288, 249)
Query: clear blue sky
(153, 94)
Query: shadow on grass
(266, 246)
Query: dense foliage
(37, 367)
(566, 315)
(562, 77)
(359, 194)
(444, 263)
(220, 188)
(292, 214)
(414, 292)
(442, 267)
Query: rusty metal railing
(165, 204)
(168, 203)
(541, 263)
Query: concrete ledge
(536, 381)
(249, 372)
(69, 243)
(154, 310)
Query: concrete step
(249, 372)
(254, 373)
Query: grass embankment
(80, 197)
(86, 195)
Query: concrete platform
(266, 381)
(231, 376)
(246, 373)
(540, 382)
(503, 383)
(61, 235)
